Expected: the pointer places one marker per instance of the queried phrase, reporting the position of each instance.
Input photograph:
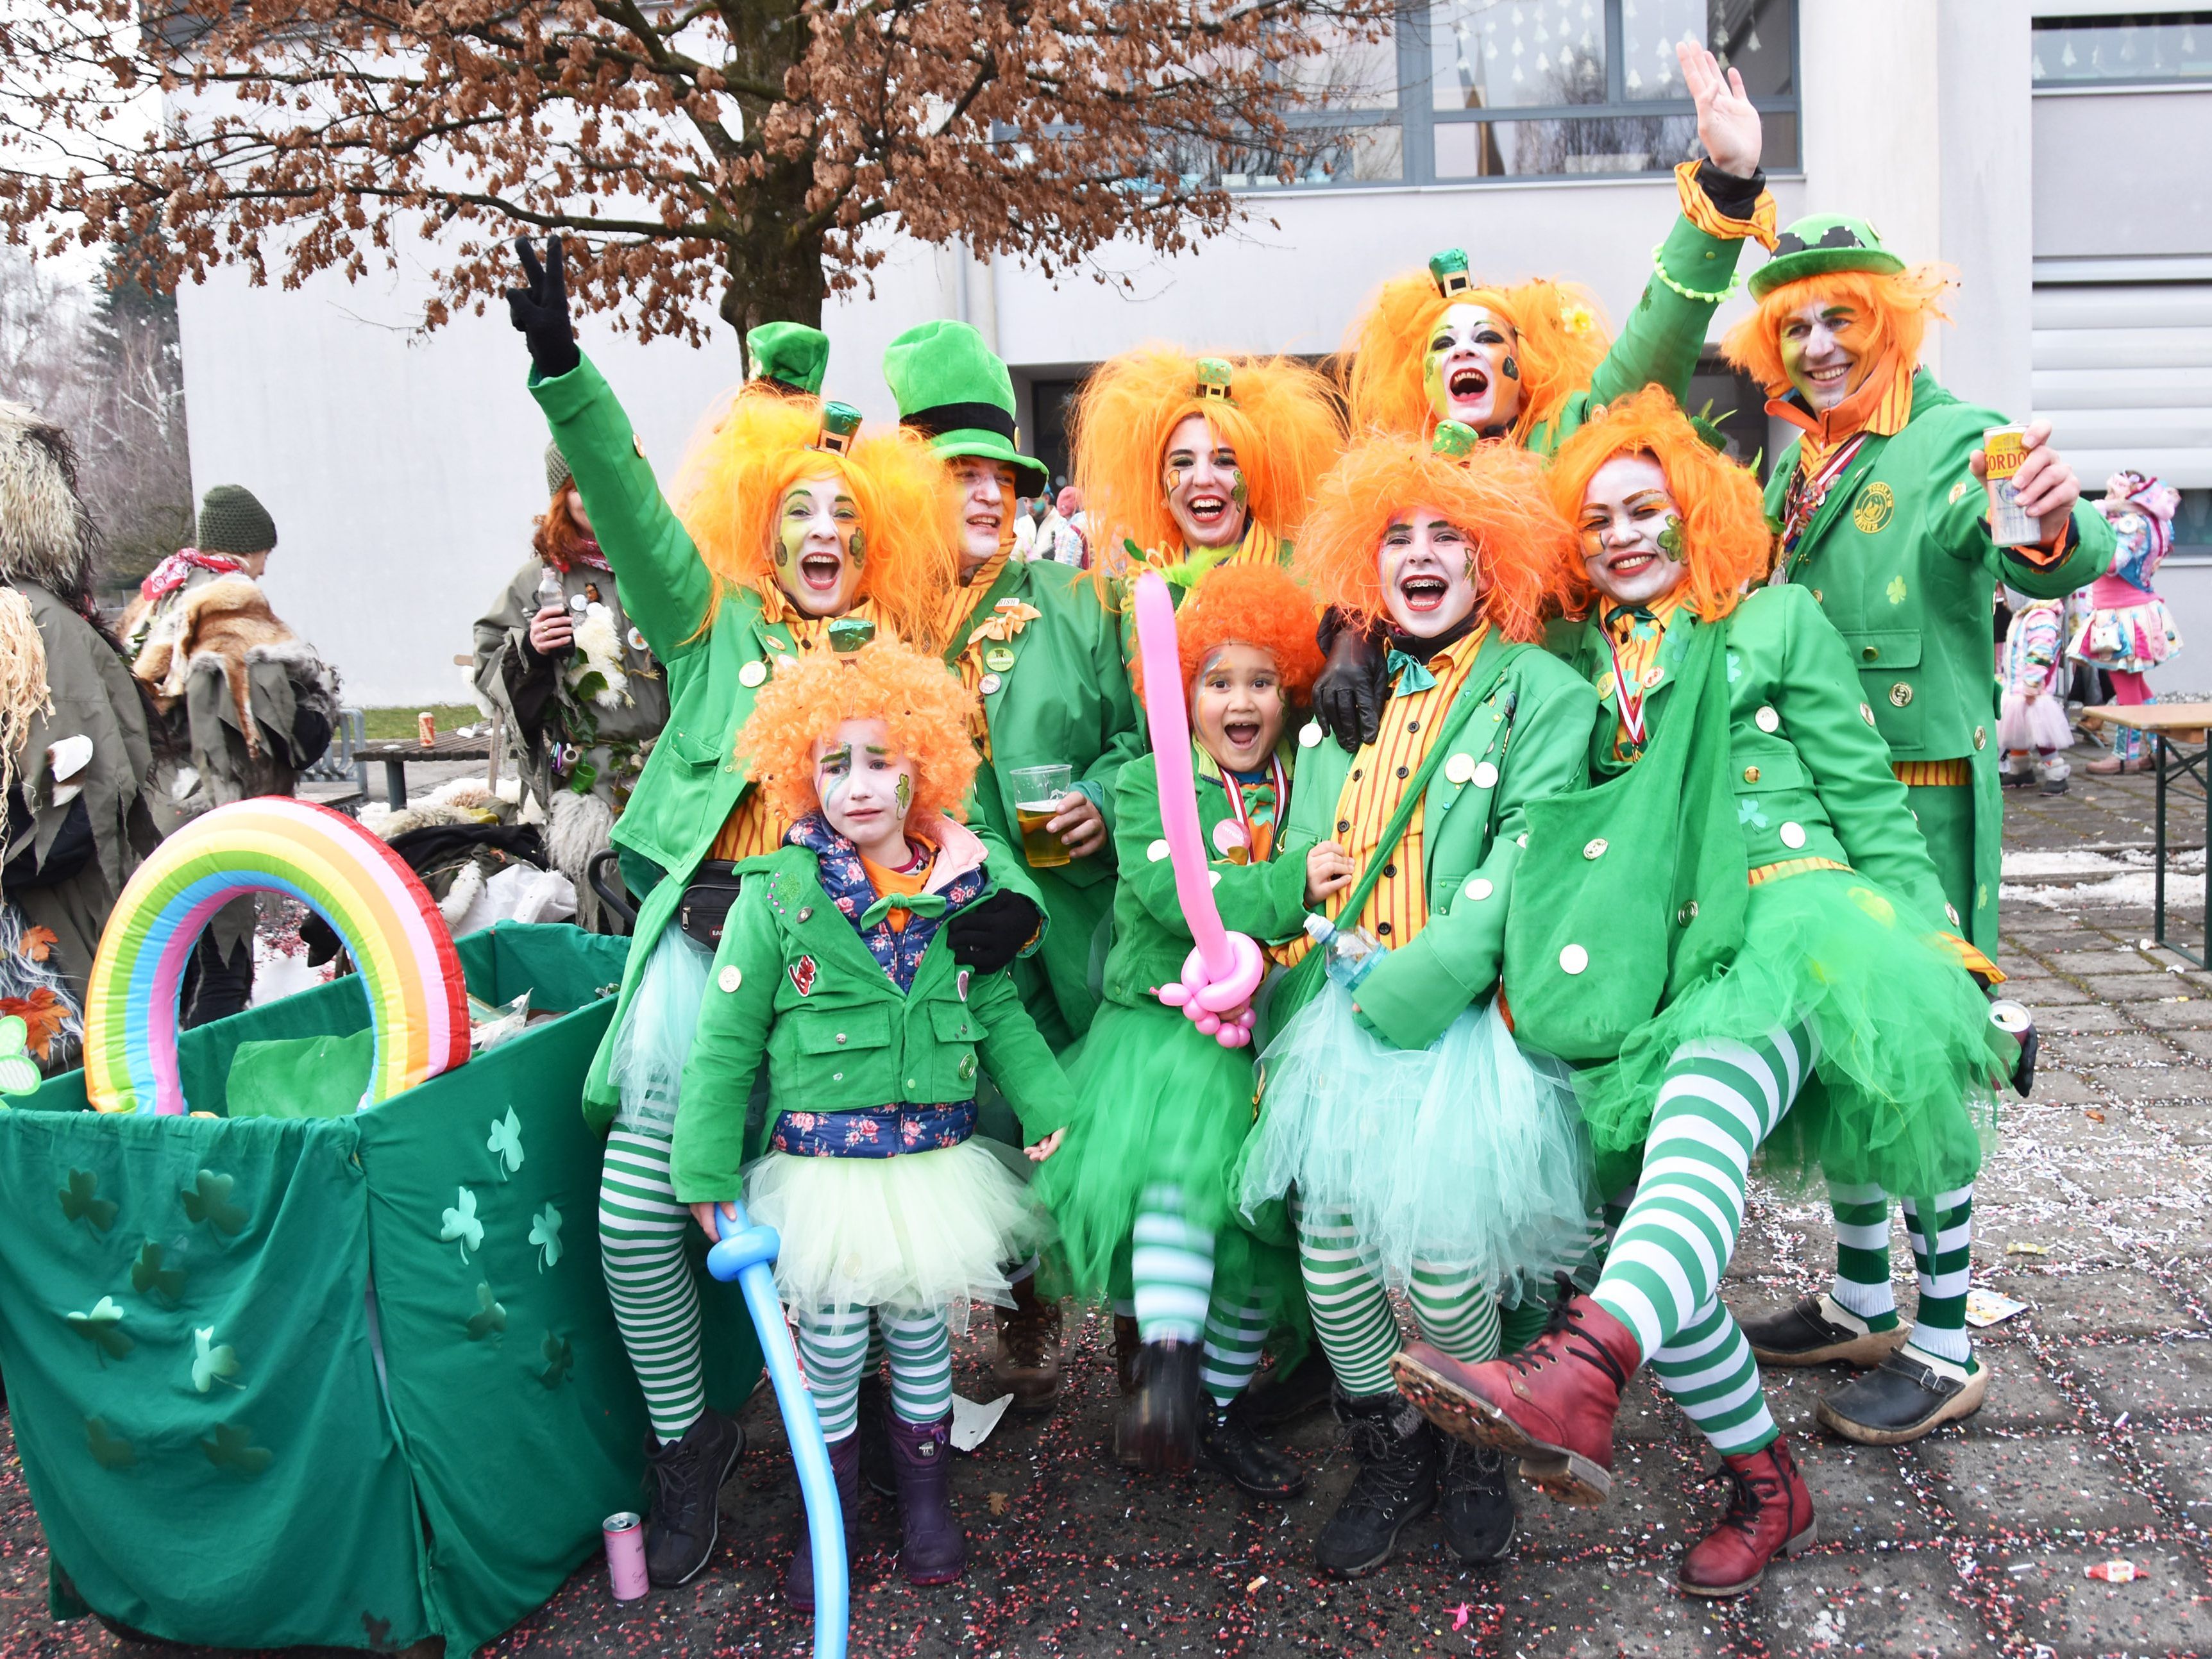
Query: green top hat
(954, 391)
(1820, 243)
(1449, 271)
(1455, 440)
(791, 354)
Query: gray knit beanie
(232, 521)
(557, 475)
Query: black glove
(540, 310)
(990, 934)
(1349, 692)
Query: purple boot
(845, 1467)
(935, 1550)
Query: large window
(2138, 49)
(1471, 89)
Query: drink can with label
(625, 1536)
(2004, 451)
(426, 728)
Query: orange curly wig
(1525, 553)
(1723, 513)
(924, 709)
(734, 478)
(1894, 307)
(1254, 605)
(1563, 338)
(1278, 417)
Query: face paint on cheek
(789, 539)
(1509, 368)
(1240, 493)
(834, 774)
(856, 549)
(1670, 540)
(1171, 481)
(1433, 379)
(903, 793)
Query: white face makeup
(1428, 570)
(1632, 532)
(820, 547)
(1470, 369)
(986, 508)
(1204, 486)
(1820, 353)
(866, 791)
(1236, 707)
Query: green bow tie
(1637, 613)
(1409, 672)
(931, 905)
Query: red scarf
(175, 571)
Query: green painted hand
(149, 1277)
(211, 1365)
(545, 1234)
(461, 1223)
(507, 1141)
(102, 1328)
(78, 1203)
(488, 1317)
(208, 1199)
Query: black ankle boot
(1227, 1440)
(1283, 1395)
(1477, 1505)
(875, 1436)
(1158, 1430)
(687, 1473)
(1399, 1462)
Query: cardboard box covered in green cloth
(349, 1380)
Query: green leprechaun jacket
(1899, 555)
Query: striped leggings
(1454, 1307)
(1172, 1298)
(833, 1352)
(649, 1274)
(1943, 1257)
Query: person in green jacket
(1142, 1191)
(1428, 1154)
(835, 968)
(791, 523)
(1884, 517)
(1528, 364)
(1746, 843)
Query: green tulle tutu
(1903, 1093)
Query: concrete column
(1985, 150)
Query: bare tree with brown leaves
(739, 157)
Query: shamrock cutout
(489, 1316)
(233, 1448)
(110, 1451)
(208, 1199)
(1735, 668)
(560, 1359)
(19, 1073)
(1746, 811)
(78, 1203)
(149, 1277)
(545, 1234)
(211, 1365)
(1896, 589)
(102, 1328)
(507, 1141)
(378, 1631)
(461, 1223)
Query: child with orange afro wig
(1142, 1192)
(835, 969)
(1202, 459)
(1744, 916)
(1427, 1153)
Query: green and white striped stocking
(649, 1284)
(1170, 1268)
(1940, 1327)
(1708, 1372)
(833, 1348)
(1352, 1313)
(1863, 1285)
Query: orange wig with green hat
(1837, 260)
(1254, 605)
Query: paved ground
(2096, 1443)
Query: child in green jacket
(835, 969)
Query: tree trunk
(772, 277)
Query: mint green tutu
(1468, 1153)
(1904, 1091)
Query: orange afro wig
(1563, 338)
(1278, 417)
(1525, 554)
(924, 709)
(1254, 605)
(1723, 513)
(1894, 311)
(734, 479)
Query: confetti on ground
(2119, 1570)
(1986, 1307)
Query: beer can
(2004, 451)
(426, 728)
(625, 1536)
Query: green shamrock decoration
(560, 1361)
(102, 1328)
(507, 1141)
(489, 1316)
(211, 1365)
(461, 1223)
(233, 1448)
(545, 1234)
(1671, 542)
(19, 1073)
(78, 1203)
(149, 1277)
(1896, 589)
(110, 1451)
(208, 1199)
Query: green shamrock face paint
(1671, 542)
(857, 547)
(903, 793)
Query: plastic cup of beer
(1038, 791)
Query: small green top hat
(954, 391)
(1820, 243)
(1449, 271)
(791, 354)
(1454, 440)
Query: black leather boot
(687, 1474)
(1399, 1459)
(1227, 1440)
(1158, 1430)
(1477, 1505)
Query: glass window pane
(1579, 144)
(1502, 54)
(1346, 155)
(1347, 73)
(1777, 148)
(1751, 36)
(2176, 46)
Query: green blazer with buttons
(1899, 555)
(1528, 738)
(793, 981)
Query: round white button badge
(730, 978)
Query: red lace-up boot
(1770, 1513)
(1551, 1404)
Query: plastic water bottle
(551, 591)
(1348, 954)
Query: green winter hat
(791, 354)
(232, 521)
(1820, 243)
(954, 391)
(557, 476)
